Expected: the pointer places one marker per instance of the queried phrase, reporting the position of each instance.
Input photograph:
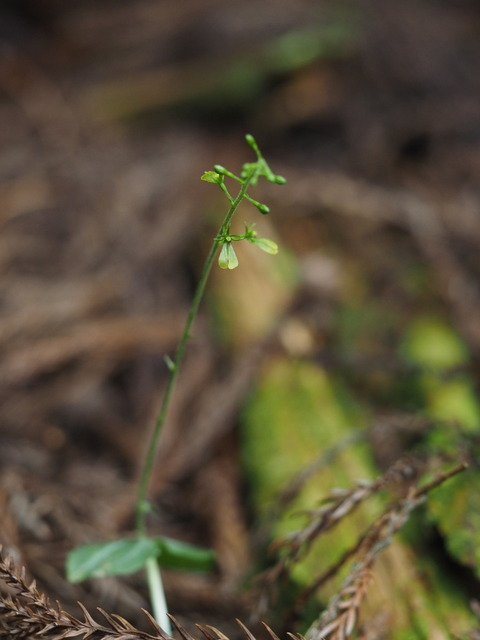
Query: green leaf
(125, 556)
(269, 246)
(211, 176)
(112, 558)
(228, 258)
(174, 554)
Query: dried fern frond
(342, 502)
(341, 615)
(27, 613)
(288, 495)
(340, 618)
(335, 508)
(346, 603)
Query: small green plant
(127, 555)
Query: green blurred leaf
(431, 343)
(449, 395)
(115, 557)
(303, 46)
(450, 399)
(456, 511)
(125, 556)
(297, 412)
(269, 246)
(174, 554)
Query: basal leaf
(125, 556)
(173, 554)
(115, 557)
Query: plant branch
(155, 584)
(142, 506)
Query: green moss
(297, 413)
(450, 400)
(431, 343)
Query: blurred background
(367, 320)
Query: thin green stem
(157, 595)
(142, 506)
(154, 577)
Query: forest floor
(109, 114)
